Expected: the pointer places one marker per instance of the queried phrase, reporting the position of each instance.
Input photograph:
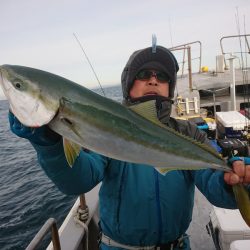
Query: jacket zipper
(158, 205)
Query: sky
(39, 33)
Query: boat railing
(225, 53)
(49, 225)
(81, 216)
(187, 58)
(187, 47)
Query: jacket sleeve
(211, 184)
(87, 171)
(209, 181)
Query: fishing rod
(89, 64)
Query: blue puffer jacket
(138, 206)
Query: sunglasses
(147, 74)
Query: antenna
(170, 31)
(89, 62)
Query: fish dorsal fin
(71, 151)
(147, 110)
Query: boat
(224, 88)
(201, 94)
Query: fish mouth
(3, 83)
(1, 77)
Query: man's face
(151, 82)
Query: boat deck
(212, 80)
(199, 237)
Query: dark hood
(162, 60)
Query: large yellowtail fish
(86, 119)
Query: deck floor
(199, 238)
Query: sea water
(28, 198)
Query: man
(139, 208)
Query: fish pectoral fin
(71, 151)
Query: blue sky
(39, 33)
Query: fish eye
(18, 84)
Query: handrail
(185, 45)
(49, 224)
(226, 37)
(188, 48)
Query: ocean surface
(28, 198)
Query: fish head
(29, 98)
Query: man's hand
(240, 174)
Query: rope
(80, 218)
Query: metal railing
(82, 216)
(188, 47)
(234, 36)
(50, 225)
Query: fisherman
(139, 207)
